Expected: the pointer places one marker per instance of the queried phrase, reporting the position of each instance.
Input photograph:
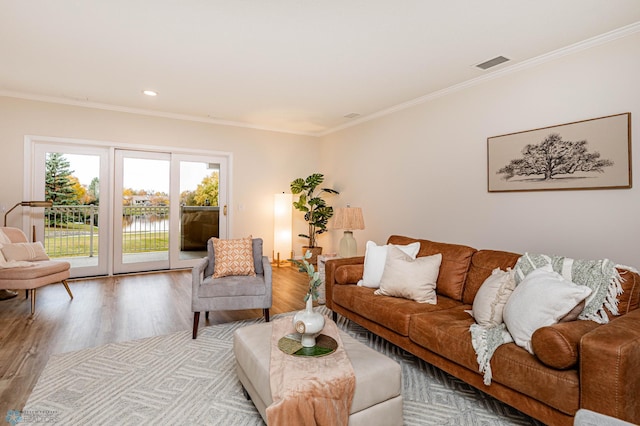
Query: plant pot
(315, 252)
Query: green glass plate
(290, 344)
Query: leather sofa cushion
(558, 345)
(349, 274)
(453, 269)
(393, 313)
(483, 263)
(517, 369)
(447, 334)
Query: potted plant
(316, 211)
(307, 322)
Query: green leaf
(314, 180)
(297, 186)
(330, 191)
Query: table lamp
(349, 219)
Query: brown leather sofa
(586, 365)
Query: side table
(322, 260)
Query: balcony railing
(73, 230)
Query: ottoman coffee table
(377, 399)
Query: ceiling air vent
(492, 62)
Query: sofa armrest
(330, 274)
(610, 368)
(349, 274)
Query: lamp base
(348, 245)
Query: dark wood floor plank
(107, 310)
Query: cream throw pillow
(410, 278)
(541, 299)
(375, 257)
(233, 257)
(492, 297)
(24, 251)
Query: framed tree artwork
(588, 154)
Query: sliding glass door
(170, 206)
(201, 206)
(141, 211)
(124, 210)
(76, 228)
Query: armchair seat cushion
(232, 286)
(38, 269)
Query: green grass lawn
(77, 240)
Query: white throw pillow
(24, 252)
(410, 278)
(541, 299)
(374, 258)
(492, 297)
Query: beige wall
(419, 172)
(264, 163)
(422, 171)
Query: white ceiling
(295, 66)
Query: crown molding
(142, 111)
(529, 63)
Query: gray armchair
(232, 292)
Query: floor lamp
(282, 216)
(28, 204)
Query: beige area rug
(175, 380)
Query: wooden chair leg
(66, 286)
(206, 315)
(334, 316)
(266, 314)
(196, 320)
(33, 301)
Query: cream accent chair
(39, 274)
(232, 292)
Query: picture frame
(587, 154)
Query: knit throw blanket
(601, 276)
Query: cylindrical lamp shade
(282, 223)
(348, 218)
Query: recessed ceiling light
(150, 93)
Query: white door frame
(223, 195)
(36, 219)
(30, 189)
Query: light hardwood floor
(106, 310)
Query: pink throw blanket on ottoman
(309, 390)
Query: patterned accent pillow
(233, 257)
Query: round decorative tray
(290, 344)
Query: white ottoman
(377, 399)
